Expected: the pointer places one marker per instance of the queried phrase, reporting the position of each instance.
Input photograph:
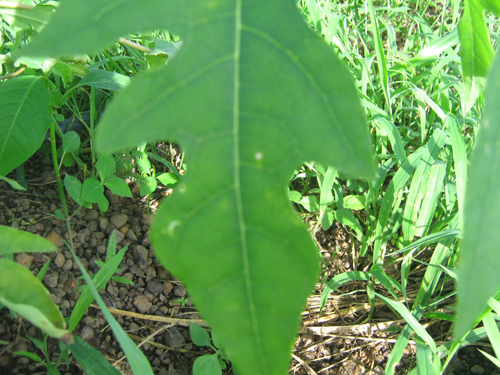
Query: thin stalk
(56, 170)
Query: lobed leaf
(248, 104)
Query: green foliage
(27, 296)
(22, 136)
(477, 52)
(245, 103)
(478, 269)
(208, 364)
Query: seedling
(208, 364)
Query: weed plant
(404, 57)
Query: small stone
(476, 369)
(24, 260)
(59, 260)
(119, 235)
(140, 254)
(39, 227)
(91, 215)
(173, 338)
(87, 333)
(103, 224)
(150, 272)
(147, 219)
(51, 280)
(113, 198)
(142, 304)
(133, 328)
(101, 249)
(68, 264)
(82, 235)
(92, 225)
(25, 205)
(179, 291)
(119, 220)
(155, 287)
(131, 235)
(56, 239)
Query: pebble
(131, 235)
(82, 235)
(179, 291)
(119, 235)
(142, 304)
(476, 369)
(24, 260)
(51, 279)
(113, 198)
(87, 333)
(91, 215)
(59, 260)
(119, 220)
(155, 287)
(68, 264)
(103, 224)
(140, 254)
(56, 239)
(173, 338)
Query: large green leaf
(478, 276)
(252, 94)
(24, 120)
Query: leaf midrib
(237, 182)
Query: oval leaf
(21, 136)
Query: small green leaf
(103, 204)
(71, 141)
(167, 179)
(106, 166)
(199, 335)
(74, 188)
(118, 186)
(62, 70)
(30, 299)
(207, 365)
(92, 190)
(355, 202)
(105, 80)
(148, 185)
(18, 241)
(12, 183)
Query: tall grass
(405, 58)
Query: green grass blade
(91, 360)
(460, 162)
(339, 280)
(381, 61)
(433, 191)
(476, 51)
(427, 363)
(493, 332)
(137, 360)
(100, 280)
(410, 319)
